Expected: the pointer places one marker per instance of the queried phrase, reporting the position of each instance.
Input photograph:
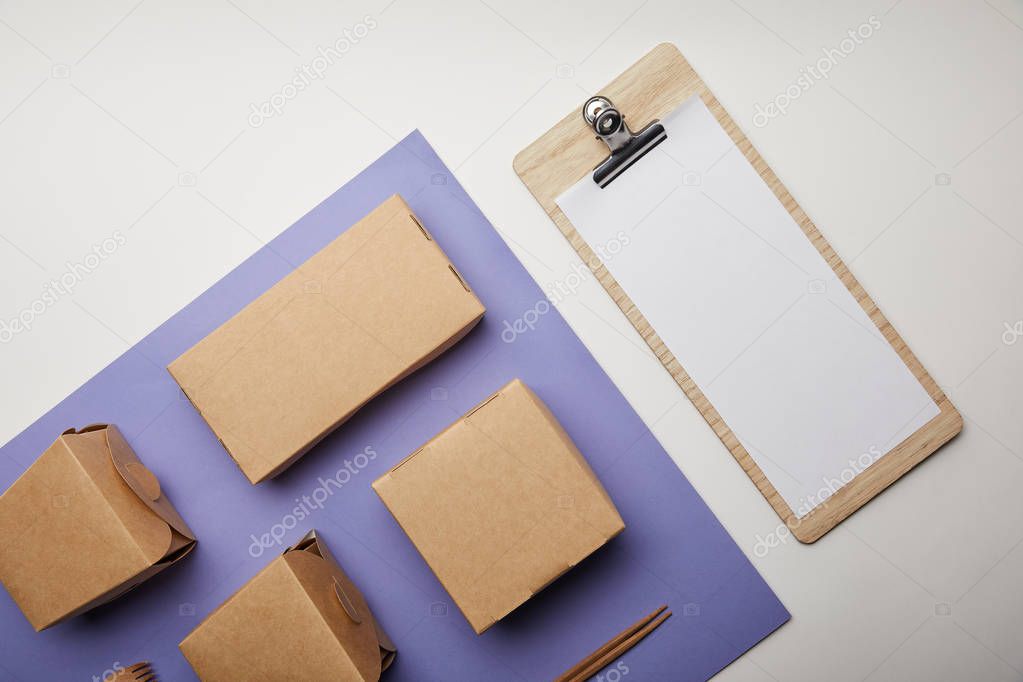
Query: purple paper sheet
(673, 550)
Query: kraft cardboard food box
(84, 524)
(370, 308)
(500, 504)
(300, 618)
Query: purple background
(673, 550)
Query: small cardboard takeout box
(84, 524)
(300, 618)
(370, 308)
(500, 504)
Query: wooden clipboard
(649, 89)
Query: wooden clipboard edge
(656, 84)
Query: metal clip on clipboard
(626, 146)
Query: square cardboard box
(500, 504)
(300, 618)
(367, 310)
(84, 524)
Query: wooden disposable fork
(139, 672)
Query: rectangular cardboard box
(300, 618)
(370, 308)
(84, 524)
(500, 504)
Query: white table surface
(130, 122)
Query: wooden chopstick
(619, 644)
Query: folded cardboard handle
(311, 543)
(346, 602)
(145, 479)
(141, 480)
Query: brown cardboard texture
(500, 504)
(300, 618)
(370, 308)
(84, 524)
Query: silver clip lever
(626, 147)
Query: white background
(133, 117)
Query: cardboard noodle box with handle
(370, 308)
(500, 504)
(300, 618)
(84, 524)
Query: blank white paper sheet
(751, 310)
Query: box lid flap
(367, 644)
(142, 482)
